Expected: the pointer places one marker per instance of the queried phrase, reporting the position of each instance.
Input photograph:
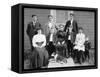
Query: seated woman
(39, 43)
(79, 47)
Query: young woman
(39, 43)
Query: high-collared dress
(80, 41)
(39, 43)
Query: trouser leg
(31, 47)
(86, 53)
(81, 56)
(78, 56)
(75, 55)
(69, 45)
(51, 48)
(64, 52)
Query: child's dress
(79, 42)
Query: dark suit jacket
(74, 30)
(32, 30)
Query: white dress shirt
(70, 29)
(39, 38)
(80, 40)
(50, 25)
(51, 37)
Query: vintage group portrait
(55, 38)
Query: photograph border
(21, 34)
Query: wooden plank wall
(42, 17)
(84, 19)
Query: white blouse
(80, 40)
(39, 38)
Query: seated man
(79, 47)
(60, 46)
(39, 43)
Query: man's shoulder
(37, 23)
(75, 21)
(30, 23)
(67, 21)
(45, 25)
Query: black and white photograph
(49, 38)
(55, 38)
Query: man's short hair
(80, 28)
(71, 13)
(34, 15)
(50, 16)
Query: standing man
(32, 28)
(50, 32)
(71, 28)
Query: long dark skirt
(34, 57)
(41, 58)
